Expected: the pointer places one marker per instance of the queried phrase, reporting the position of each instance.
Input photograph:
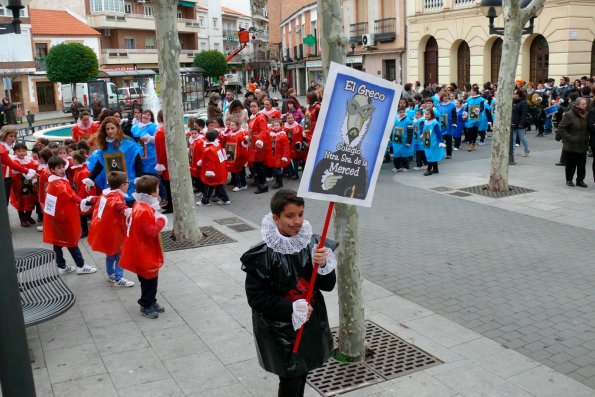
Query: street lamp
(492, 10)
(15, 26)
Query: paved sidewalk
(203, 346)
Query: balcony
(433, 5)
(188, 25)
(121, 56)
(463, 3)
(356, 31)
(108, 20)
(40, 64)
(260, 13)
(385, 30)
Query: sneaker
(39, 228)
(481, 143)
(456, 149)
(86, 269)
(525, 154)
(516, 145)
(199, 194)
(244, 187)
(158, 308)
(404, 169)
(236, 189)
(448, 157)
(203, 204)
(416, 168)
(149, 312)
(111, 278)
(123, 283)
(67, 269)
(224, 202)
(270, 179)
(395, 170)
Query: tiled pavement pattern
(523, 281)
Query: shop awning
(126, 73)
(187, 3)
(193, 69)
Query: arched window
(463, 64)
(431, 61)
(496, 58)
(539, 60)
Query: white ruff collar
(281, 244)
(147, 199)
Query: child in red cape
(162, 167)
(142, 252)
(195, 148)
(42, 184)
(22, 196)
(236, 147)
(81, 172)
(84, 127)
(213, 171)
(279, 155)
(295, 133)
(109, 219)
(61, 221)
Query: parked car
(130, 96)
(84, 97)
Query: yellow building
(449, 41)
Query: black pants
(420, 158)
(448, 141)
(148, 291)
(170, 205)
(575, 162)
(432, 166)
(457, 143)
(219, 192)
(261, 173)
(400, 162)
(482, 136)
(75, 252)
(471, 135)
(85, 219)
(562, 157)
(292, 387)
(39, 211)
(240, 178)
(7, 186)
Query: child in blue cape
(447, 120)
(433, 145)
(418, 145)
(402, 139)
(459, 128)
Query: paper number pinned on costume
(102, 203)
(50, 205)
(222, 155)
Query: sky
(242, 6)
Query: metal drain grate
(211, 236)
(441, 189)
(389, 358)
(482, 190)
(228, 221)
(460, 194)
(242, 227)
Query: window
(150, 43)
(496, 58)
(107, 5)
(179, 14)
(215, 23)
(130, 43)
(201, 22)
(539, 60)
(8, 13)
(128, 8)
(216, 46)
(203, 46)
(463, 64)
(149, 11)
(41, 50)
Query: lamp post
(15, 26)
(16, 375)
(492, 10)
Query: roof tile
(58, 23)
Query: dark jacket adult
(76, 109)
(591, 123)
(574, 131)
(273, 281)
(214, 112)
(520, 111)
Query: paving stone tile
(441, 330)
(231, 346)
(545, 382)
(134, 367)
(199, 372)
(175, 342)
(160, 388)
(58, 333)
(75, 362)
(92, 386)
(43, 386)
(119, 337)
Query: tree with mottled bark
(185, 217)
(515, 19)
(352, 329)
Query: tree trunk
(352, 329)
(515, 19)
(185, 217)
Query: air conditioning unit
(368, 40)
(140, 1)
(107, 32)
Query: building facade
(449, 41)
(376, 32)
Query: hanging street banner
(350, 137)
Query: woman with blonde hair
(115, 152)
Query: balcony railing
(433, 5)
(385, 30)
(463, 3)
(40, 64)
(260, 12)
(356, 31)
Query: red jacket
(161, 152)
(295, 134)
(213, 160)
(80, 173)
(258, 131)
(196, 149)
(279, 155)
(142, 252)
(271, 114)
(236, 148)
(22, 195)
(314, 110)
(61, 214)
(108, 226)
(42, 184)
(8, 163)
(78, 133)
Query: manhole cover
(228, 221)
(441, 189)
(483, 191)
(460, 194)
(241, 227)
(211, 236)
(390, 358)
